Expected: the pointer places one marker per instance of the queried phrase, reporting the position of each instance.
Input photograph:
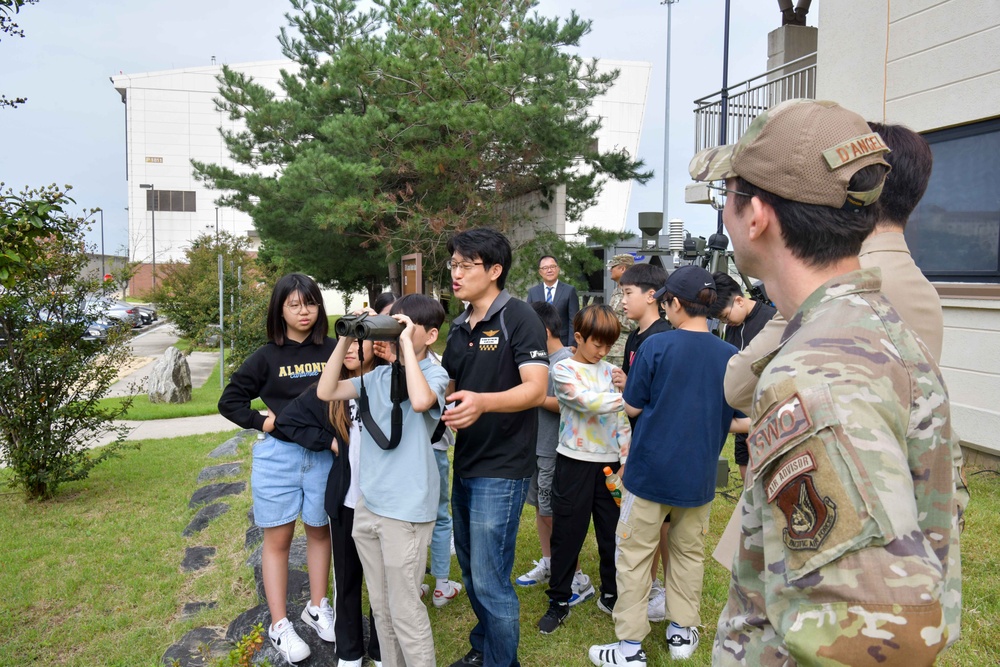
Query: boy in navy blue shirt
(671, 468)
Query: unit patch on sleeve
(783, 423)
(802, 463)
(809, 517)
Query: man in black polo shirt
(497, 360)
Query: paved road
(153, 342)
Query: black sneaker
(473, 657)
(554, 617)
(606, 603)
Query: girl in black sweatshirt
(287, 480)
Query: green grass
(93, 577)
(204, 401)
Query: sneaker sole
(577, 598)
(308, 620)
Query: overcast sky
(72, 130)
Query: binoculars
(368, 327)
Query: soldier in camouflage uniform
(617, 265)
(848, 549)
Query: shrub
(50, 378)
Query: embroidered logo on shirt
(489, 344)
(809, 518)
(539, 354)
(492, 333)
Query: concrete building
(934, 66)
(170, 119)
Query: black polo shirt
(488, 358)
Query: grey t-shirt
(548, 422)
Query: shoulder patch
(809, 517)
(791, 469)
(784, 422)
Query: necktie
(548, 294)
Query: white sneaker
(320, 619)
(582, 589)
(287, 642)
(424, 590)
(656, 608)
(350, 663)
(681, 648)
(537, 575)
(443, 596)
(610, 655)
(655, 588)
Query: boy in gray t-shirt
(545, 454)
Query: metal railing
(749, 98)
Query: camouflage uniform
(616, 355)
(849, 546)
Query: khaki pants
(637, 537)
(394, 556)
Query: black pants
(579, 493)
(347, 575)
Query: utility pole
(666, 116)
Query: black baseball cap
(685, 282)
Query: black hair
(911, 161)
(549, 316)
(310, 294)
(486, 244)
(644, 276)
(383, 300)
(599, 322)
(703, 307)
(818, 235)
(422, 309)
(552, 257)
(726, 289)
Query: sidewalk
(151, 344)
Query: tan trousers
(637, 538)
(394, 557)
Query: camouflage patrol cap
(621, 260)
(803, 150)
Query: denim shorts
(540, 491)
(288, 480)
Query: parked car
(147, 313)
(116, 311)
(96, 330)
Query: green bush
(188, 293)
(50, 378)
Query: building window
(170, 200)
(954, 233)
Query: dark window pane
(149, 200)
(954, 233)
(176, 200)
(189, 202)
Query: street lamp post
(103, 272)
(666, 120)
(152, 189)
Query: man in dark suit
(561, 295)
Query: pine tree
(405, 123)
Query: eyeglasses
(464, 267)
(719, 200)
(549, 267)
(297, 307)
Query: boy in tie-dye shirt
(594, 433)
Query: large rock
(199, 647)
(170, 381)
(229, 447)
(323, 653)
(298, 578)
(221, 470)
